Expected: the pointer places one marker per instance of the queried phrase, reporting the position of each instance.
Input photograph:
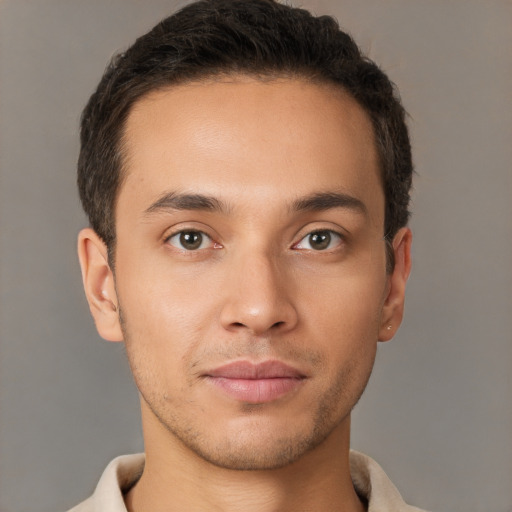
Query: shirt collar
(370, 482)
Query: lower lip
(256, 391)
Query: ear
(393, 309)
(98, 280)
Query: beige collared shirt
(369, 479)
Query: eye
(190, 240)
(320, 240)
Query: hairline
(230, 76)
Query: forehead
(276, 139)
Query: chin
(256, 442)
(256, 454)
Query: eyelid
(179, 233)
(338, 234)
(178, 230)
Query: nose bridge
(258, 294)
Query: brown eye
(320, 240)
(190, 240)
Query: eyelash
(183, 232)
(330, 232)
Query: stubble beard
(244, 452)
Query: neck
(176, 479)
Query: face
(250, 277)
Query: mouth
(255, 383)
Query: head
(262, 39)
(248, 171)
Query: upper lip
(246, 370)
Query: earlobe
(393, 309)
(98, 281)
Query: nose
(258, 297)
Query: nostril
(273, 326)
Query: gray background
(437, 414)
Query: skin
(257, 288)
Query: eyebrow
(178, 201)
(317, 202)
(322, 201)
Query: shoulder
(117, 478)
(373, 485)
(85, 506)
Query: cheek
(164, 319)
(160, 293)
(347, 306)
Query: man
(246, 173)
